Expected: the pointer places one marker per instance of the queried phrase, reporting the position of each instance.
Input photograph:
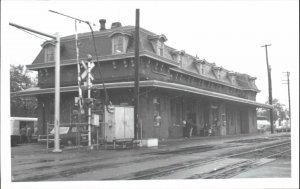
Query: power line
(33, 34)
(95, 51)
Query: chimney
(116, 25)
(102, 24)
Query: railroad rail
(67, 169)
(226, 172)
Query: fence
(70, 134)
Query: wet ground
(31, 162)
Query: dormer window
(252, 81)
(199, 64)
(202, 66)
(157, 42)
(232, 77)
(119, 42)
(49, 52)
(160, 48)
(177, 56)
(217, 71)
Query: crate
(151, 142)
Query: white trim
(149, 83)
(23, 119)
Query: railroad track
(232, 170)
(225, 172)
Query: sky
(228, 33)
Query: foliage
(20, 79)
(279, 112)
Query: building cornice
(148, 83)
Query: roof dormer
(49, 51)
(157, 42)
(177, 55)
(120, 42)
(217, 71)
(232, 77)
(252, 81)
(199, 64)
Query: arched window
(49, 53)
(119, 42)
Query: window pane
(118, 44)
(49, 54)
(161, 51)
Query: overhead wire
(33, 34)
(107, 101)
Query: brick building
(174, 85)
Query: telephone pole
(137, 75)
(270, 87)
(288, 83)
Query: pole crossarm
(70, 16)
(57, 82)
(32, 30)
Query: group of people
(26, 134)
(188, 128)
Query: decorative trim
(153, 37)
(149, 83)
(177, 52)
(121, 33)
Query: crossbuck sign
(87, 68)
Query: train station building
(174, 85)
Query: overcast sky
(228, 33)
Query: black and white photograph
(150, 94)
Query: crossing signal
(88, 102)
(87, 67)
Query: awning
(149, 83)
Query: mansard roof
(104, 51)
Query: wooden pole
(270, 88)
(137, 76)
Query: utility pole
(57, 95)
(137, 76)
(288, 83)
(270, 87)
(90, 66)
(57, 82)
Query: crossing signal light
(88, 102)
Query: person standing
(29, 134)
(184, 128)
(191, 128)
(23, 134)
(188, 128)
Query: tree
(279, 112)
(20, 79)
